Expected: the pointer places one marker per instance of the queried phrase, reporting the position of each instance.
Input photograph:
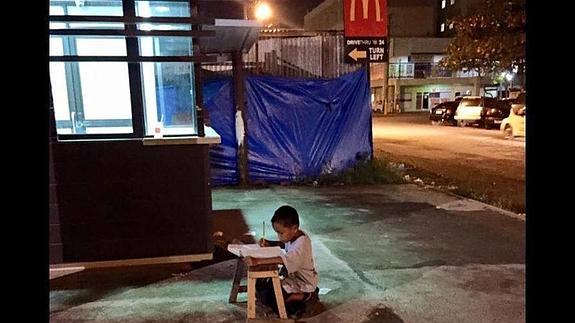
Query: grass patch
(369, 171)
(500, 202)
(476, 191)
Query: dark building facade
(128, 147)
(449, 9)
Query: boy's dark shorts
(265, 294)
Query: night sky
(286, 13)
(292, 11)
(289, 13)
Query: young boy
(300, 279)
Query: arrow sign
(356, 54)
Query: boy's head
(285, 223)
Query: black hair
(286, 216)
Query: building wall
(414, 18)
(123, 200)
(405, 91)
(414, 45)
(418, 21)
(213, 8)
(445, 92)
(458, 8)
(325, 17)
(55, 244)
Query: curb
(488, 206)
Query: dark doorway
(425, 103)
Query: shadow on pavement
(94, 284)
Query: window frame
(134, 59)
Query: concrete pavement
(386, 253)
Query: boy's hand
(263, 243)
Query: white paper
(254, 250)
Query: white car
(514, 125)
(470, 109)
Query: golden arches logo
(365, 7)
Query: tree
(489, 40)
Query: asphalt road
(475, 160)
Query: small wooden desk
(253, 273)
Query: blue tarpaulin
(296, 128)
(219, 102)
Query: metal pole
(371, 110)
(201, 114)
(384, 91)
(386, 108)
(241, 116)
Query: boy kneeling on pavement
(299, 277)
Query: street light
(263, 11)
(509, 78)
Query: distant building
(412, 81)
(449, 9)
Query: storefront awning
(231, 35)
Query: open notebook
(254, 250)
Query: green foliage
(368, 171)
(489, 40)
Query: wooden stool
(255, 272)
(236, 287)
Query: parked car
(468, 111)
(443, 113)
(494, 112)
(514, 124)
(473, 110)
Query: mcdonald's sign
(365, 18)
(365, 31)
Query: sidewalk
(389, 253)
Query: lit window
(94, 95)
(168, 87)
(170, 8)
(443, 4)
(451, 26)
(169, 97)
(442, 28)
(452, 2)
(87, 8)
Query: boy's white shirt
(298, 259)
